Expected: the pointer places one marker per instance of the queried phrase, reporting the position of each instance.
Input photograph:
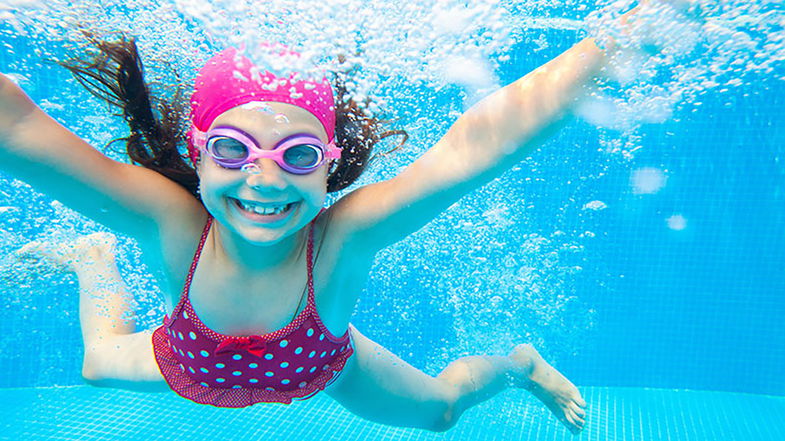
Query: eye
(302, 156)
(227, 148)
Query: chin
(261, 235)
(262, 240)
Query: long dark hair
(158, 127)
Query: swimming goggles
(298, 154)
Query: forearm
(14, 104)
(503, 128)
(41, 152)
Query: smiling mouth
(264, 212)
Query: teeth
(263, 210)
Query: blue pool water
(647, 264)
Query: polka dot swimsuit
(294, 362)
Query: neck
(242, 256)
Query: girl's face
(249, 204)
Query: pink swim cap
(229, 79)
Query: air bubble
(251, 168)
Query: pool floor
(630, 414)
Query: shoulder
(336, 229)
(339, 260)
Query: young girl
(264, 278)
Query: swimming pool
(647, 263)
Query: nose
(266, 175)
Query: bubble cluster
(672, 53)
(648, 180)
(24, 280)
(433, 42)
(480, 267)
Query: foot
(68, 256)
(549, 386)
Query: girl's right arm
(129, 199)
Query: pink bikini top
(294, 362)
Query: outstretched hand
(642, 26)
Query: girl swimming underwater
(261, 278)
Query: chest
(266, 302)
(243, 305)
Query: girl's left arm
(491, 137)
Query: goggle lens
(227, 149)
(303, 156)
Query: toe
(575, 407)
(573, 423)
(578, 418)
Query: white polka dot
(253, 380)
(237, 357)
(174, 348)
(268, 356)
(285, 364)
(182, 368)
(284, 343)
(299, 369)
(311, 354)
(190, 369)
(309, 333)
(323, 354)
(185, 315)
(204, 384)
(182, 354)
(192, 335)
(204, 353)
(190, 355)
(220, 365)
(236, 386)
(332, 352)
(321, 337)
(268, 374)
(325, 367)
(298, 351)
(312, 370)
(180, 336)
(270, 388)
(237, 373)
(220, 380)
(204, 370)
(284, 381)
(253, 365)
(302, 384)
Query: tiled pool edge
(626, 414)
